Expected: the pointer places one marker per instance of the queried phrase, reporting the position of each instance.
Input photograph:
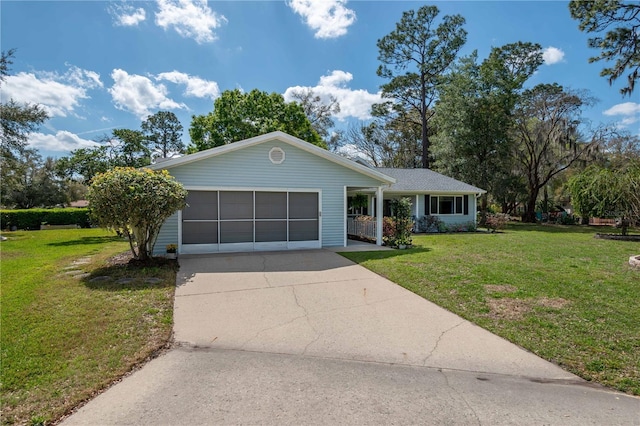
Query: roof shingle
(425, 180)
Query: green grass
(554, 290)
(65, 338)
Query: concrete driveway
(308, 337)
(318, 303)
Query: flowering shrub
(388, 231)
(496, 221)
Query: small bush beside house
(136, 202)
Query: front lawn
(74, 319)
(554, 290)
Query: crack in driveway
(435, 347)
(306, 315)
(265, 274)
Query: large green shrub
(33, 218)
(135, 202)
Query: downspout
(475, 210)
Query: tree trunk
(423, 120)
(530, 211)
(425, 145)
(624, 225)
(483, 202)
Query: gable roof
(280, 137)
(425, 180)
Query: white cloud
(552, 55)
(328, 18)
(138, 94)
(629, 112)
(626, 108)
(83, 78)
(125, 15)
(62, 141)
(353, 103)
(59, 94)
(190, 18)
(196, 86)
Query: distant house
(277, 192)
(79, 204)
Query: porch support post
(344, 219)
(379, 214)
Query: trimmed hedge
(33, 218)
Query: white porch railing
(360, 227)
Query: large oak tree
(238, 115)
(547, 140)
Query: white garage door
(250, 220)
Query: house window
(447, 205)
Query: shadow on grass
(565, 229)
(133, 276)
(87, 241)
(362, 256)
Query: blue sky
(99, 65)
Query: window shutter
(427, 205)
(466, 204)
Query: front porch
(361, 227)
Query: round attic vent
(276, 155)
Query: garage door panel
(304, 230)
(200, 233)
(236, 232)
(271, 231)
(201, 205)
(236, 205)
(271, 205)
(303, 205)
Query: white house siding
(168, 234)
(250, 168)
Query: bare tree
(319, 111)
